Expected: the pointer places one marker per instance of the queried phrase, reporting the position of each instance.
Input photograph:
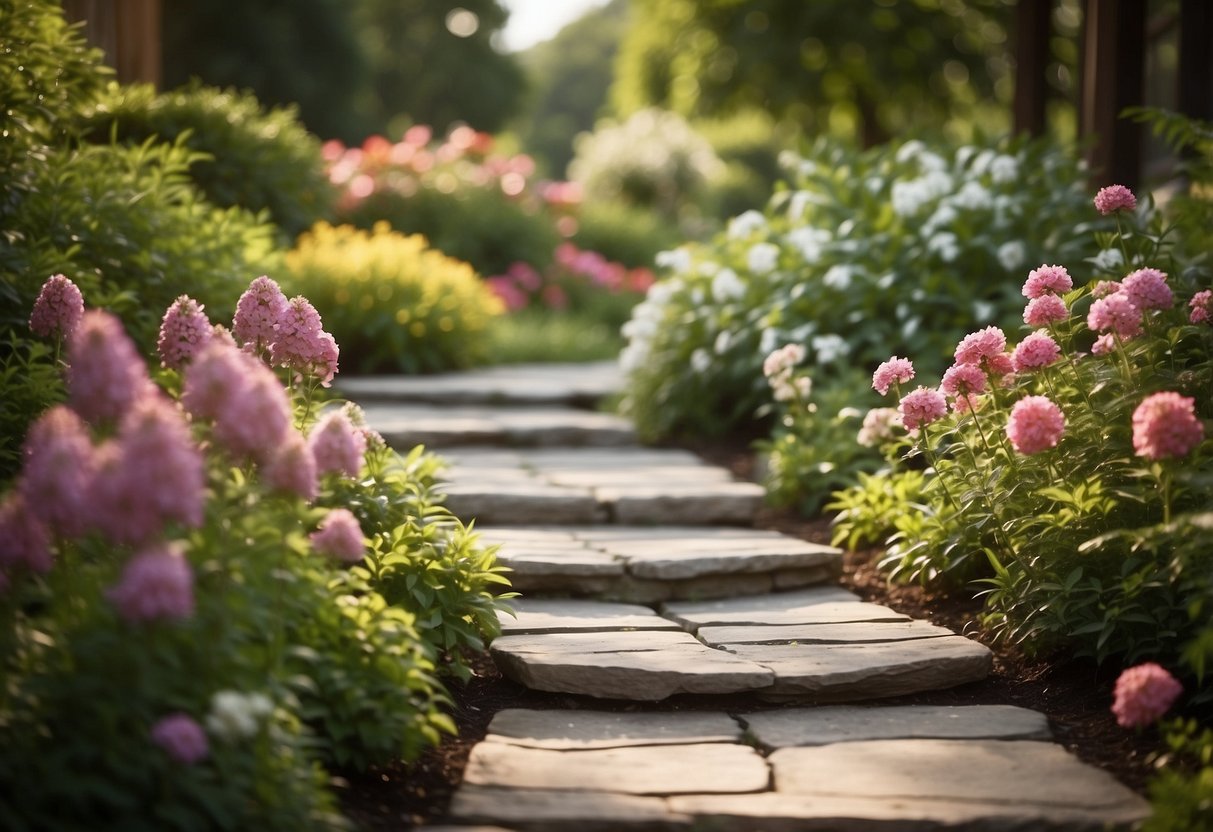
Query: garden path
(643, 579)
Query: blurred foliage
(569, 77)
(749, 143)
(254, 158)
(391, 301)
(631, 236)
(541, 335)
(872, 68)
(354, 67)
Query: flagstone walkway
(642, 579)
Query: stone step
(628, 485)
(900, 769)
(618, 651)
(643, 564)
(405, 426)
(573, 385)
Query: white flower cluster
(779, 367)
(235, 716)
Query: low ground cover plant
(212, 591)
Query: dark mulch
(1075, 695)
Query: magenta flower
(249, 406)
(184, 331)
(105, 374)
(1045, 310)
(1104, 288)
(921, 407)
(156, 584)
(1143, 694)
(894, 371)
(1116, 313)
(58, 309)
(1165, 426)
(1103, 345)
(257, 312)
(1115, 198)
(1047, 280)
(1148, 289)
(24, 542)
(337, 445)
(999, 364)
(980, 346)
(301, 343)
(1036, 351)
(292, 467)
(963, 380)
(339, 535)
(58, 471)
(1036, 424)
(181, 738)
(1202, 307)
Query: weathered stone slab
(538, 615)
(635, 477)
(576, 384)
(520, 503)
(686, 559)
(773, 812)
(571, 730)
(547, 810)
(849, 672)
(646, 666)
(1010, 772)
(821, 726)
(851, 633)
(406, 425)
(714, 768)
(667, 533)
(822, 605)
(725, 502)
(571, 562)
(571, 460)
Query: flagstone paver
(438, 426)
(559, 384)
(572, 730)
(558, 615)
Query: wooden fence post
(1114, 36)
(1031, 44)
(127, 31)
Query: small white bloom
(677, 260)
(1011, 255)
(723, 341)
(973, 196)
(762, 258)
(910, 327)
(743, 225)
(944, 216)
(982, 163)
(983, 311)
(708, 268)
(838, 277)
(726, 286)
(829, 348)
(235, 715)
(1004, 169)
(766, 343)
(700, 361)
(930, 162)
(1108, 260)
(945, 245)
(808, 241)
(909, 150)
(797, 204)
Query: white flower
(235, 715)
(1108, 259)
(808, 241)
(726, 286)
(633, 357)
(700, 361)
(910, 327)
(770, 337)
(982, 163)
(762, 258)
(930, 162)
(661, 292)
(983, 310)
(797, 204)
(1011, 255)
(944, 215)
(838, 276)
(677, 260)
(723, 341)
(944, 244)
(909, 197)
(974, 196)
(743, 225)
(909, 150)
(829, 348)
(1004, 169)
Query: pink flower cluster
(184, 331)
(24, 542)
(291, 331)
(58, 309)
(1115, 198)
(1045, 310)
(1202, 307)
(249, 406)
(105, 374)
(337, 445)
(1147, 289)
(921, 407)
(181, 737)
(1165, 426)
(1143, 694)
(1117, 314)
(573, 271)
(57, 477)
(1047, 280)
(985, 348)
(340, 536)
(892, 372)
(1036, 424)
(1035, 351)
(156, 585)
(1119, 309)
(259, 308)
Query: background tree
(872, 68)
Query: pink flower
(337, 445)
(1035, 351)
(784, 359)
(878, 426)
(183, 332)
(292, 468)
(1036, 424)
(1202, 307)
(248, 404)
(1148, 289)
(156, 584)
(58, 471)
(1104, 288)
(150, 475)
(1143, 694)
(1045, 310)
(507, 292)
(339, 535)
(1117, 313)
(181, 738)
(105, 374)
(963, 379)
(983, 344)
(1103, 345)
(1115, 198)
(964, 404)
(300, 342)
(921, 407)
(58, 309)
(24, 543)
(1165, 426)
(999, 364)
(221, 333)
(257, 311)
(894, 371)
(1046, 280)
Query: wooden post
(1194, 96)
(127, 31)
(1032, 30)
(1114, 35)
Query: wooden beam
(1032, 31)
(1194, 96)
(1114, 34)
(127, 31)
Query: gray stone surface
(435, 426)
(546, 810)
(646, 666)
(557, 615)
(723, 502)
(692, 556)
(850, 633)
(850, 672)
(716, 768)
(824, 605)
(571, 730)
(577, 384)
(821, 726)
(520, 503)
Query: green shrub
(632, 236)
(392, 302)
(863, 254)
(749, 144)
(247, 156)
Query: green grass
(532, 336)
